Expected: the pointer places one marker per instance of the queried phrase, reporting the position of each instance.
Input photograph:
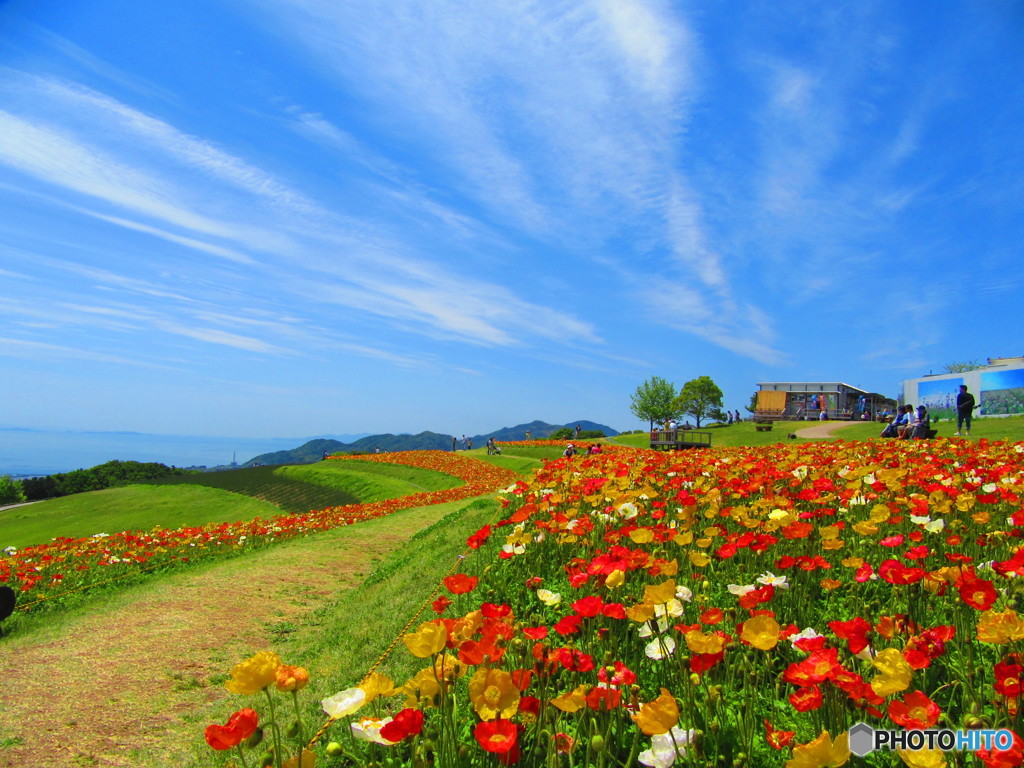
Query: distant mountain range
(314, 450)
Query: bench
(672, 439)
(763, 427)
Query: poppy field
(44, 575)
(732, 607)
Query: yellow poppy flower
(615, 579)
(660, 593)
(429, 639)
(698, 642)
(640, 613)
(922, 758)
(698, 559)
(376, 684)
(895, 672)
(493, 694)
(573, 701)
(255, 674)
(1000, 627)
(761, 632)
(658, 716)
(823, 752)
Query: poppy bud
(334, 749)
(255, 739)
(597, 743)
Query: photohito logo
(864, 739)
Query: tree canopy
(654, 401)
(700, 398)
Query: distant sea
(29, 452)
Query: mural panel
(1003, 391)
(939, 397)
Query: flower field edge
(48, 572)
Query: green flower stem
(241, 756)
(276, 730)
(298, 721)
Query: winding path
(129, 684)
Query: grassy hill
(213, 497)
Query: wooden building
(804, 401)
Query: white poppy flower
(344, 702)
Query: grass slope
(214, 497)
(133, 507)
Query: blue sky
(299, 217)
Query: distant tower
(233, 462)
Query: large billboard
(1003, 391)
(939, 397)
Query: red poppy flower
(778, 739)
(1008, 679)
(588, 607)
(603, 698)
(498, 736)
(441, 604)
(892, 541)
(978, 593)
(240, 726)
(460, 583)
(895, 572)
(712, 616)
(854, 632)
(915, 710)
(406, 723)
(477, 539)
(614, 611)
(568, 625)
(494, 611)
(702, 662)
(1009, 758)
(806, 699)
(535, 633)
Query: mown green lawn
(744, 434)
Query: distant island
(314, 450)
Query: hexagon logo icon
(862, 739)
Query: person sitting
(570, 451)
(594, 449)
(903, 430)
(921, 425)
(891, 428)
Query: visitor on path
(469, 444)
(823, 416)
(729, 421)
(738, 419)
(578, 430)
(455, 443)
(492, 447)
(964, 410)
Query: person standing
(964, 409)
(578, 430)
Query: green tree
(654, 400)
(10, 491)
(970, 365)
(700, 398)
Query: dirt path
(822, 429)
(133, 677)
